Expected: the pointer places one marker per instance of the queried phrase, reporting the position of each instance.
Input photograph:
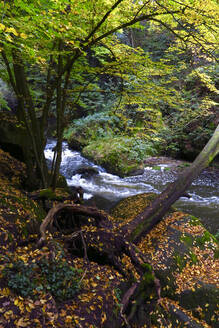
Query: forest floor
(35, 291)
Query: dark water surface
(105, 189)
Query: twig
(125, 319)
(85, 247)
(84, 274)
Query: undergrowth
(56, 277)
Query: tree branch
(132, 22)
(102, 20)
(11, 78)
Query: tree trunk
(60, 110)
(146, 220)
(26, 113)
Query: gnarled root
(75, 209)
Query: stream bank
(105, 189)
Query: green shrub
(56, 277)
(92, 127)
(141, 148)
(61, 279)
(20, 278)
(121, 155)
(186, 133)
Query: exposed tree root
(76, 209)
(104, 246)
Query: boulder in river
(86, 171)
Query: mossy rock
(129, 207)
(184, 257)
(77, 142)
(115, 155)
(61, 182)
(49, 194)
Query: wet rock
(136, 172)
(153, 161)
(101, 203)
(86, 171)
(77, 142)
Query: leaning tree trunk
(146, 220)
(106, 244)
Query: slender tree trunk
(61, 103)
(49, 94)
(146, 220)
(26, 113)
(58, 150)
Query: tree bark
(146, 220)
(26, 113)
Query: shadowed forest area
(132, 87)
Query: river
(104, 189)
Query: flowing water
(104, 189)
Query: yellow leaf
(28, 309)
(23, 36)
(93, 284)
(22, 323)
(8, 314)
(2, 26)
(6, 291)
(9, 38)
(63, 313)
(31, 305)
(103, 318)
(99, 298)
(12, 30)
(16, 302)
(68, 319)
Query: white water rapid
(104, 189)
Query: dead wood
(100, 217)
